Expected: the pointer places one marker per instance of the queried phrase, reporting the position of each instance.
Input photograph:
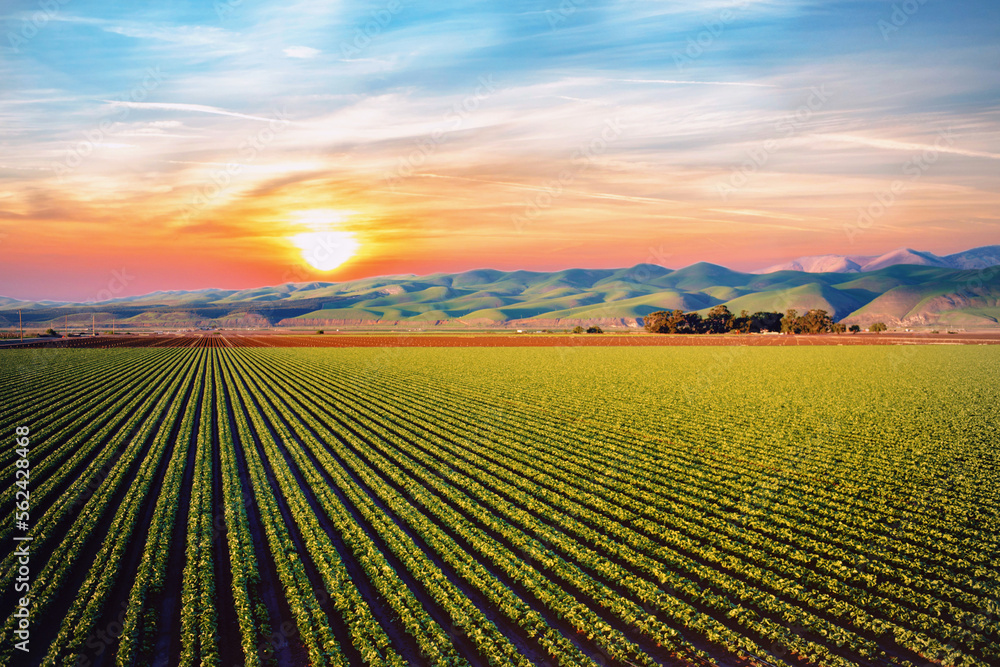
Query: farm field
(226, 504)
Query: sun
(324, 248)
(325, 251)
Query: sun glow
(324, 248)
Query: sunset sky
(214, 143)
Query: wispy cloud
(197, 108)
(303, 52)
(180, 34)
(536, 188)
(680, 82)
(759, 214)
(184, 35)
(908, 146)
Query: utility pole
(112, 325)
(93, 325)
(20, 327)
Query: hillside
(902, 295)
(977, 258)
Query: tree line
(720, 320)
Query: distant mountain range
(903, 289)
(977, 258)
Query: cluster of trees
(815, 321)
(720, 320)
(579, 330)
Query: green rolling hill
(901, 295)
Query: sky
(237, 143)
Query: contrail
(201, 108)
(892, 144)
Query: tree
(878, 327)
(655, 322)
(577, 329)
(790, 322)
(675, 321)
(855, 328)
(765, 321)
(320, 331)
(815, 321)
(595, 329)
(718, 319)
(838, 328)
(740, 323)
(50, 332)
(692, 324)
